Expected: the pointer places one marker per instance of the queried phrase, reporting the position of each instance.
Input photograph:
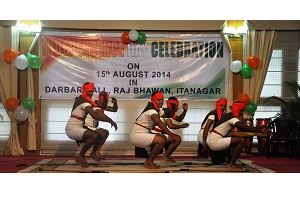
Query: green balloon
(251, 108)
(34, 61)
(28, 103)
(246, 71)
(142, 38)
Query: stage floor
(135, 165)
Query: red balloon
(253, 62)
(10, 54)
(12, 103)
(125, 37)
(244, 97)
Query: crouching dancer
(212, 117)
(93, 124)
(217, 140)
(142, 137)
(76, 130)
(167, 115)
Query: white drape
(260, 44)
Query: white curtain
(259, 44)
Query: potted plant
(290, 106)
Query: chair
(282, 136)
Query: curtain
(260, 44)
(9, 37)
(230, 74)
(31, 136)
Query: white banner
(187, 66)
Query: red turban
(176, 102)
(218, 106)
(236, 106)
(158, 95)
(86, 88)
(103, 95)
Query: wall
(154, 26)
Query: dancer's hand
(185, 125)
(113, 124)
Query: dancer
(212, 117)
(75, 129)
(102, 106)
(168, 114)
(142, 137)
(217, 140)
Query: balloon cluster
(250, 105)
(22, 61)
(21, 111)
(134, 36)
(246, 68)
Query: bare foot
(233, 167)
(81, 162)
(87, 163)
(95, 157)
(166, 159)
(99, 155)
(150, 165)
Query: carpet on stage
(135, 165)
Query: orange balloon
(244, 97)
(253, 62)
(10, 54)
(12, 103)
(125, 37)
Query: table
(246, 134)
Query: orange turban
(158, 95)
(86, 88)
(218, 106)
(236, 106)
(176, 102)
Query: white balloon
(20, 113)
(133, 35)
(236, 66)
(21, 62)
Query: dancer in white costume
(76, 130)
(168, 115)
(141, 135)
(217, 140)
(212, 117)
(101, 108)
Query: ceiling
(190, 25)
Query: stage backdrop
(187, 66)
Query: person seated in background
(142, 137)
(167, 115)
(76, 130)
(218, 141)
(102, 106)
(212, 117)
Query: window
(272, 85)
(4, 127)
(55, 114)
(298, 66)
(284, 66)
